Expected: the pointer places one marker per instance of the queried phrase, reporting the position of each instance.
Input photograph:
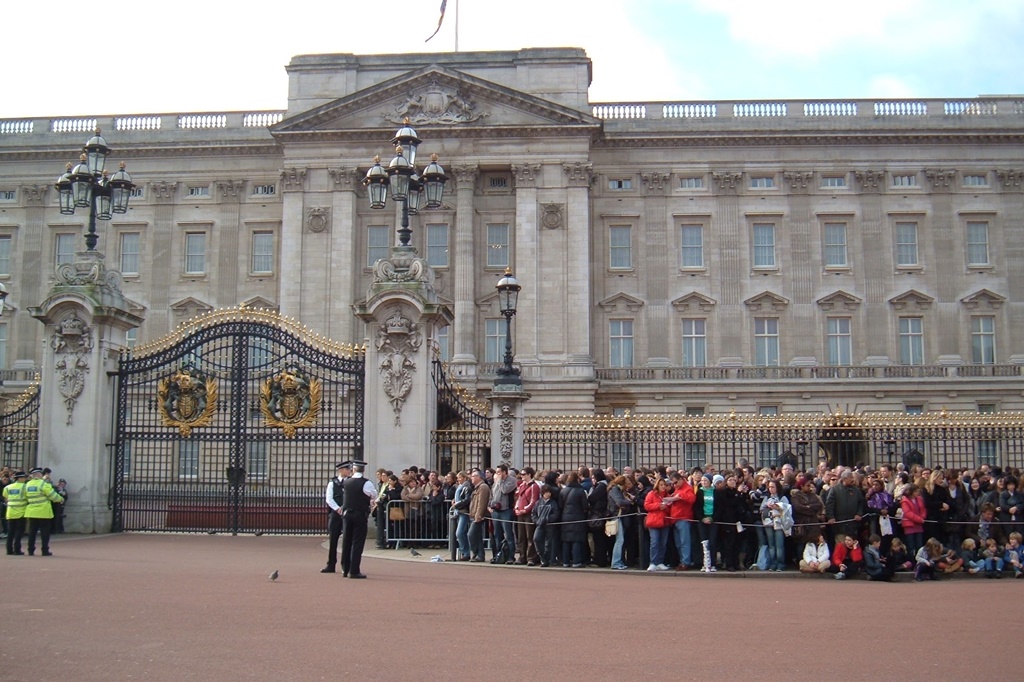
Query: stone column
(340, 223)
(465, 269)
(526, 263)
(508, 424)
(403, 313)
(293, 181)
(577, 301)
(86, 318)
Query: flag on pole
(439, 21)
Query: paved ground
(180, 607)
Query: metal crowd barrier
(417, 524)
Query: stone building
(675, 257)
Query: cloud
(812, 29)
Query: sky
(213, 56)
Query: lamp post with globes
(88, 185)
(508, 296)
(414, 190)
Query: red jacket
(840, 555)
(914, 513)
(682, 509)
(657, 516)
(527, 496)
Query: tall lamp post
(414, 190)
(88, 185)
(508, 295)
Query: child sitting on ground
(971, 556)
(993, 556)
(1013, 557)
(815, 556)
(928, 558)
(847, 558)
(899, 558)
(874, 563)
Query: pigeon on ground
(414, 552)
(273, 576)
(259, 533)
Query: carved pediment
(621, 302)
(911, 300)
(766, 301)
(694, 302)
(189, 307)
(983, 299)
(431, 96)
(839, 300)
(258, 302)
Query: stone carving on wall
(727, 181)
(402, 268)
(318, 219)
(230, 188)
(398, 341)
(579, 174)
(798, 179)
(506, 433)
(88, 273)
(344, 177)
(1010, 179)
(71, 343)
(293, 178)
(941, 179)
(655, 182)
(552, 216)
(34, 195)
(163, 190)
(526, 174)
(870, 181)
(435, 104)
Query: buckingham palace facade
(761, 257)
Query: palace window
(840, 346)
(694, 343)
(835, 245)
(620, 248)
(911, 341)
(977, 243)
(437, 245)
(906, 244)
(766, 341)
(195, 253)
(498, 245)
(378, 243)
(983, 340)
(691, 240)
(764, 245)
(130, 253)
(620, 346)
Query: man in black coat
(845, 506)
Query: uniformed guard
(39, 493)
(14, 496)
(359, 499)
(334, 496)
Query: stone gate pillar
(508, 424)
(403, 313)
(86, 318)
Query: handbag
(611, 527)
(396, 514)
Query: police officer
(14, 496)
(39, 493)
(334, 496)
(359, 499)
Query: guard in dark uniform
(359, 495)
(335, 496)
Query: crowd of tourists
(841, 521)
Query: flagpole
(456, 25)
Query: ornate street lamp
(414, 190)
(88, 185)
(508, 295)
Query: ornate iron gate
(233, 424)
(463, 434)
(19, 431)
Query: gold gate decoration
(290, 400)
(187, 400)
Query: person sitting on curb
(847, 558)
(875, 564)
(816, 556)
